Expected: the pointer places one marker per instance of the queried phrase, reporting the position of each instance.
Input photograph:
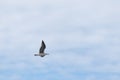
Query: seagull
(41, 50)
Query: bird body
(41, 50)
(41, 54)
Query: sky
(82, 38)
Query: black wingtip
(42, 41)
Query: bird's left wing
(43, 46)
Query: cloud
(82, 38)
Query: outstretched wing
(43, 46)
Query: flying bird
(41, 50)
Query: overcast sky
(81, 36)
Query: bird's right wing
(43, 46)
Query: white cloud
(11, 77)
(80, 36)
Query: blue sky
(82, 38)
